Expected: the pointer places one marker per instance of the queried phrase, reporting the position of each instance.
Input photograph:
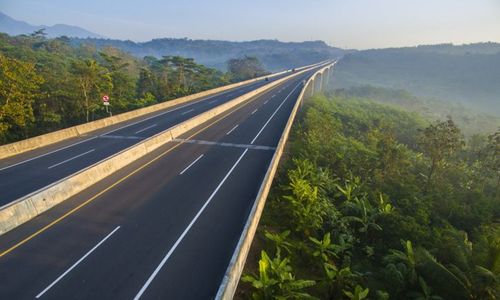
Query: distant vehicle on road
(266, 79)
(293, 70)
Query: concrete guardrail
(28, 207)
(16, 148)
(233, 273)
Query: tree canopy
(50, 84)
(376, 202)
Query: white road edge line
(65, 161)
(179, 240)
(191, 164)
(274, 113)
(48, 153)
(254, 111)
(76, 264)
(187, 111)
(229, 132)
(144, 129)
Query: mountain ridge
(12, 26)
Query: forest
(50, 84)
(466, 74)
(373, 201)
(469, 121)
(275, 55)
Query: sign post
(105, 101)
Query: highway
(28, 172)
(164, 227)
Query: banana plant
(358, 294)
(280, 241)
(406, 257)
(337, 280)
(384, 207)
(276, 280)
(426, 292)
(350, 188)
(365, 214)
(324, 248)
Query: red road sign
(105, 98)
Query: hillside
(469, 122)
(466, 49)
(370, 203)
(274, 54)
(468, 74)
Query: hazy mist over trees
(469, 121)
(468, 74)
(274, 55)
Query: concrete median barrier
(19, 147)
(25, 208)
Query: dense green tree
(123, 85)
(440, 142)
(245, 68)
(491, 157)
(93, 81)
(19, 88)
(145, 83)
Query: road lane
(34, 173)
(153, 208)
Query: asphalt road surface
(28, 172)
(164, 227)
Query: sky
(359, 24)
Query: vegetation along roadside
(376, 202)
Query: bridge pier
(320, 81)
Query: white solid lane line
(229, 132)
(288, 96)
(213, 101)
(76, 264)
(187, 111)
(179, 240)
(191, 164)
(144, 129)
(69, 159)
(45, 154)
